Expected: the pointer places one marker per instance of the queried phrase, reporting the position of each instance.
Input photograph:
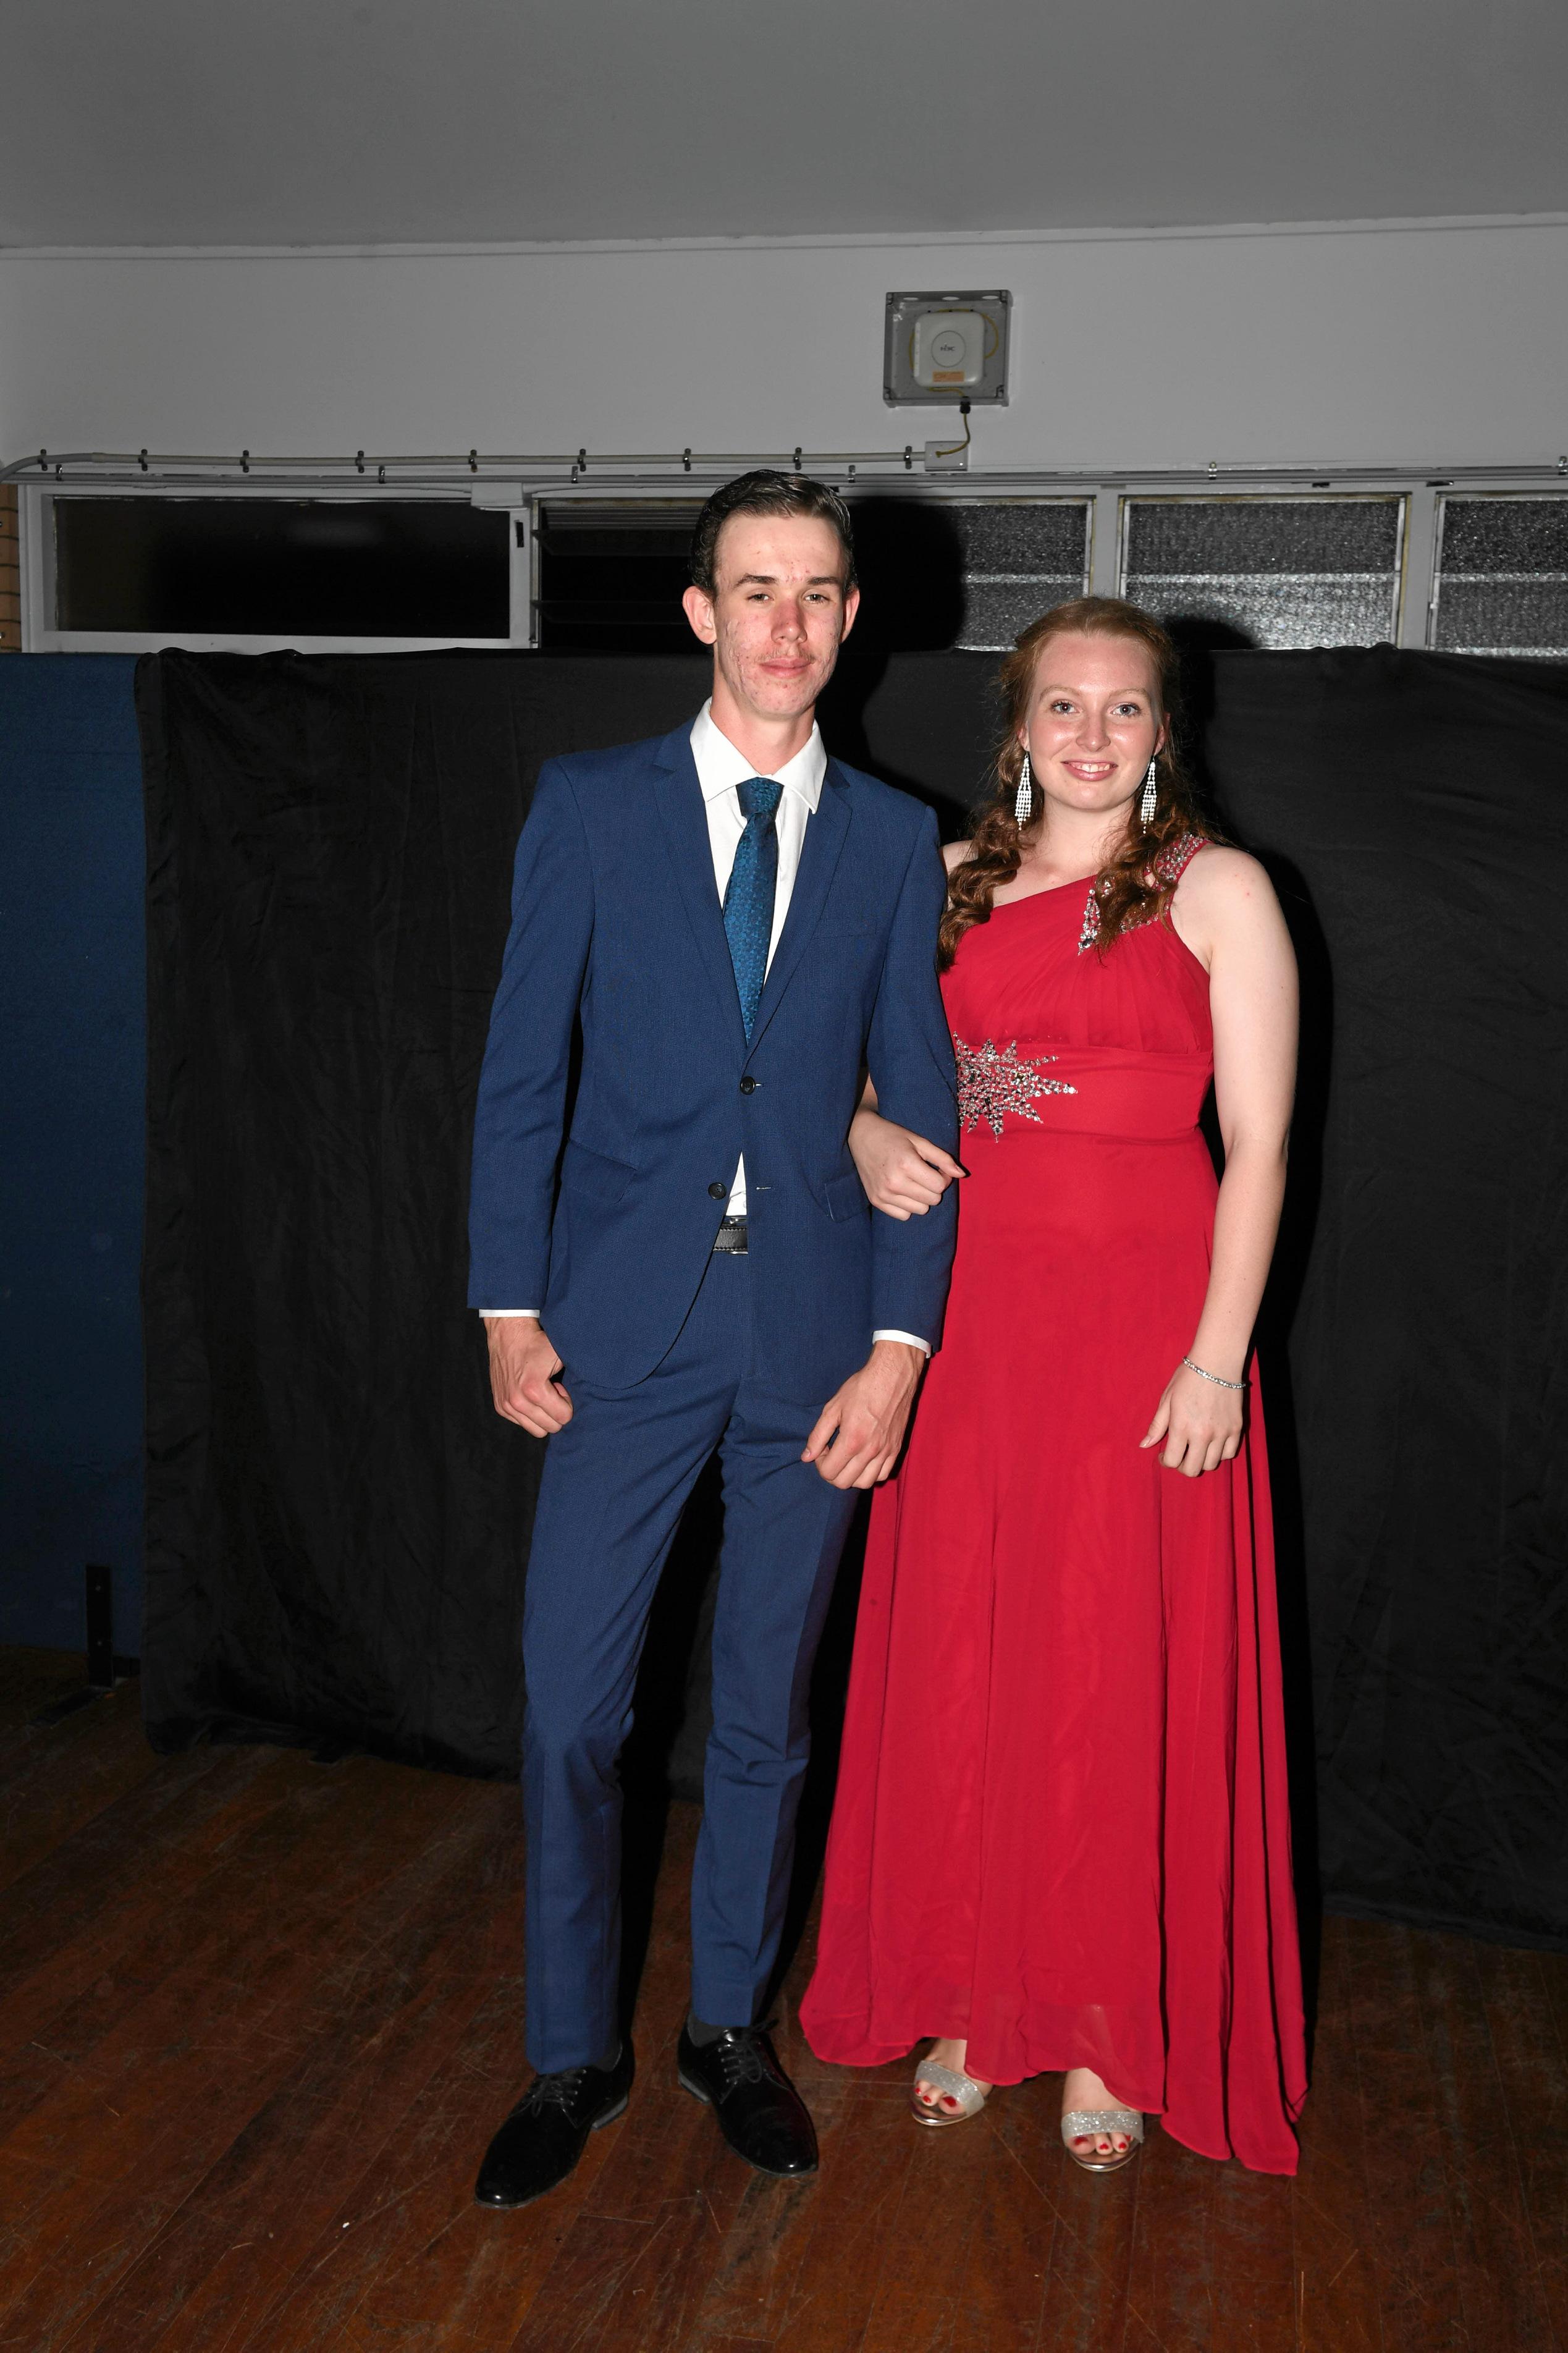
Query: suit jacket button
(718, 1192)
(749, 1085)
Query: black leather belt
(732, 1236)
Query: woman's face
(1094, 722)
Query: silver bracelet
(1213, 1376)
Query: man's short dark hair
(765, 493)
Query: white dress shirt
(720, 769)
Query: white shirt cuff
(510, 1310)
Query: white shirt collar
(720, 767)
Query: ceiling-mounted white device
(940, 349)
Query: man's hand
(524, 1367)
(859, 1431)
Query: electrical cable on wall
(958, 447)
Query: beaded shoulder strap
(1177, 856)
(1169, 867)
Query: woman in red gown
(1061, 1838)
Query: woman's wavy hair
(1130, 887)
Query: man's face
(779, 611)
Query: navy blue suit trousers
(615, 1480)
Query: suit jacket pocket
(594, 1173)
(844, 1197)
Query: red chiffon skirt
(1061, 1829)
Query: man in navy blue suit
(674, 1256)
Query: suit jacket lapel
(692, 856)
(825, 834)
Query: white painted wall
(1388, 346)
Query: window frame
(1360, 496)
(978, 493)
(1445, 498)
(1107, 498)
(39, 634)
(962, 490)
(666, 496)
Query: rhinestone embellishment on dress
(1168, 867)
(994, 1080)
(1091, 932)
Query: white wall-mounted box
(938, 349)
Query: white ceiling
(429, 122)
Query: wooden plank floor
(257, 2019)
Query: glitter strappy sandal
(950, 2084)
(1088, 2124)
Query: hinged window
(259, 570)
(1288, 573)
(1500, 584)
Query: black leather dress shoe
(548, 2130)
(760, 2112)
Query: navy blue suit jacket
(599, 1206)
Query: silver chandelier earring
(1024, 803)
(1146, 806)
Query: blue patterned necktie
(749, 896)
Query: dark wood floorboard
(43, 1796)
(258, 2017)
(33, 1679)
(1532, 2075)
(1335, 2249)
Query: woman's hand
(903, 1174)
(1200, 1423)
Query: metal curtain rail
(470, 466)
(542, 468)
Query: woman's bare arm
(904, 1173)
(1226, 912)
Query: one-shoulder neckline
(1050, 890)
(1185, 849)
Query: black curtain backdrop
(338, 1523)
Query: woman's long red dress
(1061, 1829)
